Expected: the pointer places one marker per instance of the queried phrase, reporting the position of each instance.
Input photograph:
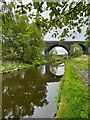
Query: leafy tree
(53, 52)
(34, 46)
(21, 40)
(66, 15)
(76, 50)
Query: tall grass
(73, 95)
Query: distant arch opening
(58, 51)
(76, 50)
(57, 47)
(58, 54)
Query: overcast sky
(79, 36)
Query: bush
(76, 50)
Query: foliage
(53, 52)
(81, 62)
(12, 66)
(89, 59)
(76, 50)
(66, 15)
(56, 59)
(22, 40)
(73, 95)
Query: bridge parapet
(65, 41)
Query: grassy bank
(81, 62)
(73, 93)
(10, 66)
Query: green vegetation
(81, 62)
(10, 65)
(57, 59)
(73, 94)
(53, 52)
(89, 59)
(76, 50)
(64, 15)
(22, 41)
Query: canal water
(31, 93)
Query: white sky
(61, 50)
(79, 36)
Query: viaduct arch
(66, 45)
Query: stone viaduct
(66, 45)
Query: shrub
(76, 50)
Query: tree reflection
(23, 91)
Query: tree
(76, 50)
(21, 40)
(66, 15)
(53, 52)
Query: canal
(31, 93)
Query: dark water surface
(31, 93)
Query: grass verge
(73, 93)
(8, 66)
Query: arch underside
(53, 46)
(83, 47)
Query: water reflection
(58, 70)
(28, 92)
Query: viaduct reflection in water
(22, 91)
(51, 73)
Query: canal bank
(73, 93)
(12, 66)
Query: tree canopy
(21, 40)
(65, 15)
